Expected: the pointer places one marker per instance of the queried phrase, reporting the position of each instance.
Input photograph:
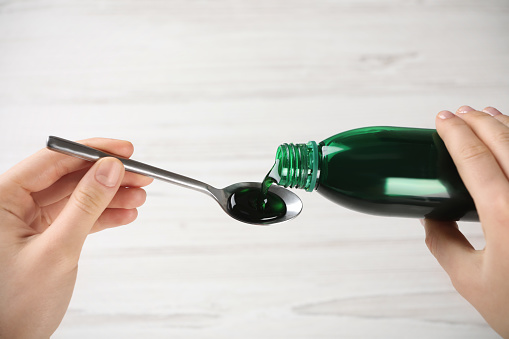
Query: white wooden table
(209, 89)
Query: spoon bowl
(226, 198)
(293, 204)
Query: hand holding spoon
(239, 201)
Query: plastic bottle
(389, 171)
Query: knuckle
(473, 152)
(502, 203)
(87, 201)
(502, 137)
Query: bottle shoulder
(378, 133)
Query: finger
(497, 115)
(125, 198)
(88, 201)
(45, 167)
(491, 132)
(476, 165)
(128, 198)
(114, 217)
(66, 185)
(135, 180)
(452, 250)
(491, 111)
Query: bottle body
(390, 171)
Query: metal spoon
(222, 196)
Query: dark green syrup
(271, 178)
(249, 204)
(258, 205)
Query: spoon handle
(91, 154)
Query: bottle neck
(297, 166)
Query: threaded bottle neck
(297, 166)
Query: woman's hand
(479, 145)
(49, 203)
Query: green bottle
(388, 171)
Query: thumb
(452, 250)
(86, 204)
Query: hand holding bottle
(479, 145)
(49, 203)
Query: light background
(209, 89)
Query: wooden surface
(209, 89)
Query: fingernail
(445, 115)
(422, 221)
(465, 109)
(108, 172)
(491, 111)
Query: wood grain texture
(209, 89)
